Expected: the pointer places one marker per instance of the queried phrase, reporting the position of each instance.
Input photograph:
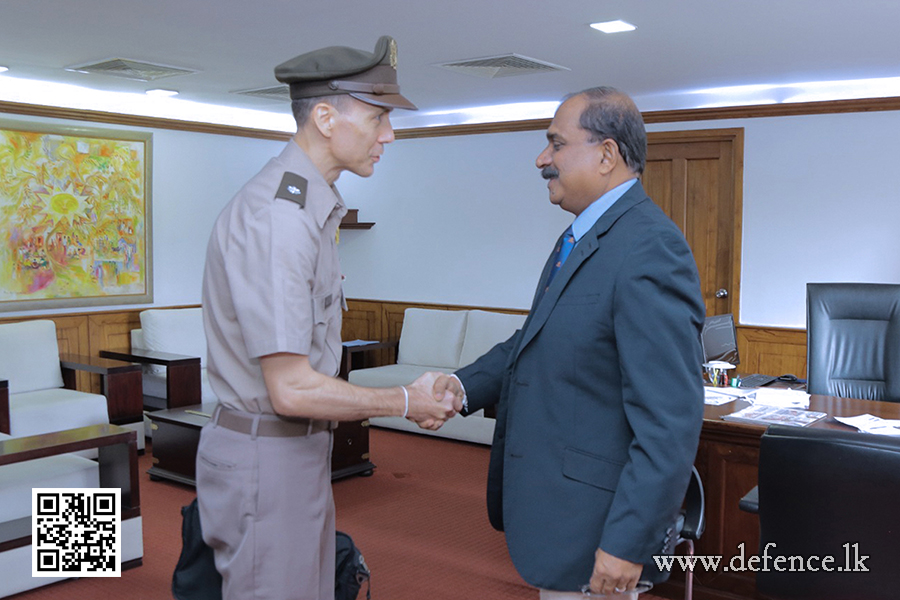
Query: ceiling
(679, 47)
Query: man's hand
(445, 388)
(425, 408)
(613, 575)
(449, 387)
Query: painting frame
(75, 216)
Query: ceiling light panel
(617, 26)
(160, 93)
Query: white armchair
(41, 397)
(46, 461)
(171, 344)
(441, 340)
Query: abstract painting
(74, 217)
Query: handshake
(433, 398)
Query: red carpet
(420, 521)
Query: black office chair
(853, 340)
(825, 492)
(688, 527)
(693, 523)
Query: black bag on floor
(196, 577)
(350, 570)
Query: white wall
(458, 220)
(466, 220)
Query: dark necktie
(563, 249)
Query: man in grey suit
(599, 395)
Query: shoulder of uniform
(293, 188)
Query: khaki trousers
(267, 511)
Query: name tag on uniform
(293, 188)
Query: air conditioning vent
(280, 93)
(506, 65)
(130, 69)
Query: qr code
(76, 532)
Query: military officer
(272, 303)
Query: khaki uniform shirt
(273, 280)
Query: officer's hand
(426, 410)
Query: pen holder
(717, 372)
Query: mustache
(549, 173)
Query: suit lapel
(545, 302)
(542, 282)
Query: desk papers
(871, 424)
(716, 396)
(782, 398)
(769, 397)
(761, 414)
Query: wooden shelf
(351, 221)
(356, 225)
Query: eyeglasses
(640, 588)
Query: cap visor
(386, 100)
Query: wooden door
(696, 178)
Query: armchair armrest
(117, 455)
(152, 357)
(4, 406)
(120, 382)
(182, 373)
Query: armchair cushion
(65, 471)
(29, 356)
(389, 375)
(431, 337)
(484, 330)
(32, 413)
(42, 411)
(177, 331)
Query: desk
(728, 462)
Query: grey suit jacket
(599, 401)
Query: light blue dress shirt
(595, 210)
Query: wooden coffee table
(176, 435)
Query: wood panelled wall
(763, 350)
(773, 351)
(89, 333)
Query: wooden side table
(176, 436)
(357, 354)
(351, 439)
